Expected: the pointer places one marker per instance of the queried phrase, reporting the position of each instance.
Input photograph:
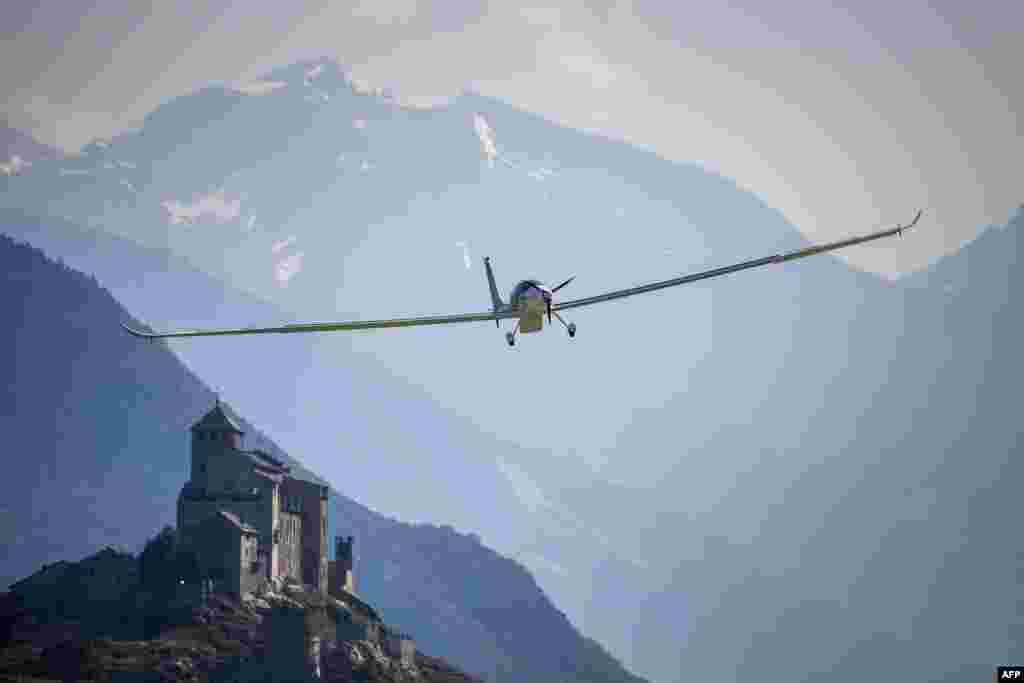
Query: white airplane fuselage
(531, 315)
(529, 301)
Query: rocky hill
(101, 424)
(82, 620)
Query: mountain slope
(886, 514)
(100, 425)
(86, 621)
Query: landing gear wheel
(572, 330)
(510, 338)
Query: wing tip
(137, 333)
(903, 228)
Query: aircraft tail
(496, 303)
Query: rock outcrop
(288, 634)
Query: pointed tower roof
(218, 420)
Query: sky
(840, 117)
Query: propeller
(547, 298)
(564, 284)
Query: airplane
(531, 300)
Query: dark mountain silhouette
(101, 424)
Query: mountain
(82, 621)
(223, 176)
(699, 473)
(884, 515)
(332, 200)
(100, 424)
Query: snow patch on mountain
(541, 174)
(14, 166)
(317, 97)
(485, 134)
(215, 205)
(257, 88)
(465, 254)
(278, 247)
(361, 87)
(288, 267)
(313, 72)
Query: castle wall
(226, 554)
(341, 576)
(255, 512)
(227, 544)
(215, 462)
(289, 550)
(340, 579)
(252, 572)
(290, 517)
(312, 499)
(321, 577)
(271, 545)
(223, 478)
(227, 470)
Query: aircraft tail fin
(496, 303)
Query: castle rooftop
(218, 420)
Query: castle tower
(341, 576)
(214, 433)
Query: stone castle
(251, 520)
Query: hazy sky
(842, 118)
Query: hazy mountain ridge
(773, 417)
(328, 172)
(457, 571)
(115, 413)
(887, 515)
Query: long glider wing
(326, 327)
(726, 270)
(485, 317)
